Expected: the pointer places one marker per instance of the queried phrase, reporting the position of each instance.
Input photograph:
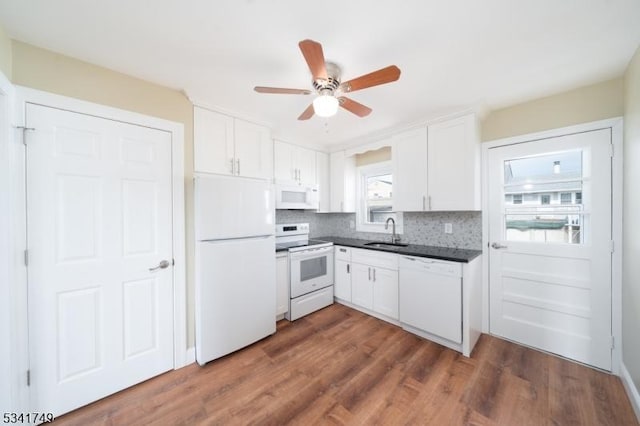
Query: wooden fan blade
(312, 52)
(385, 75)
(279, 90)
(307, 114)
(354, 107)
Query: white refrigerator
(235, 289)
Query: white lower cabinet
(438, 300)
(342, 280)
(362, 286)
(343, 272)
(282, 283)
(385, 292)
(374, 281)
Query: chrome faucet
(394, 237)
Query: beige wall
(589, 103)
(44, 70)
(631, 224)
(5, 54)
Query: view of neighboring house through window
(375, 197)
(543, 198)
(378, 197)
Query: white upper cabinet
(437, 168)
(294, 164)
(213, 142)
(253, 149)
(342, 172)
(409, 159)
(323, 179)
(454, 164)
(230, 146)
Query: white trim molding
(14, 393)
(615, 124)
(630, 388)
(26, 96)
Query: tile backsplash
(425, 228)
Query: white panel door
(305, 160)
(284, 167)
(253, 150)
(322, 177)
(213, 150)
(361, 285)
(550, 232)
(342, 286)
(453, 165)
(99, 217)
(385, 292)
(409, 158)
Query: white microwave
(302, 197)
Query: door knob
(498, 246)
(162, 265)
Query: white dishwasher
(431, 296)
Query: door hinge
(26, 258)
(612, 246)
(28, 377)
(173, 262)
(24, 129)
(611, 152)
(613, 342)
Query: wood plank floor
(339, 366)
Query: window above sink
(375, 198)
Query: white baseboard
(631, 389)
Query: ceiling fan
(329, 87)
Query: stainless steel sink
(380, 244)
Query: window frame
(363, 172)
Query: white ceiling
(453, 54)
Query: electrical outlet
(352, 224)
(448, 228)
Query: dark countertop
(442, 253)
(278, 249)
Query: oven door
(311, 270)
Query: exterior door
(99, 219)
(550, 237)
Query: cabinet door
(305, 162)
(385, 292)
(253, 149)
(342, 288)
(213, 150)
(284, 168)
(322, 178)
(361, 285)
(409, 159)
(282, 284)
(454, 164)
(342, 172)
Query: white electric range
(310, 269)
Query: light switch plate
(448, 228)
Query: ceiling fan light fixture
(325, 105)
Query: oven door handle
(306, 254)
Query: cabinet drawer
(375, 258)
(343, 253)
